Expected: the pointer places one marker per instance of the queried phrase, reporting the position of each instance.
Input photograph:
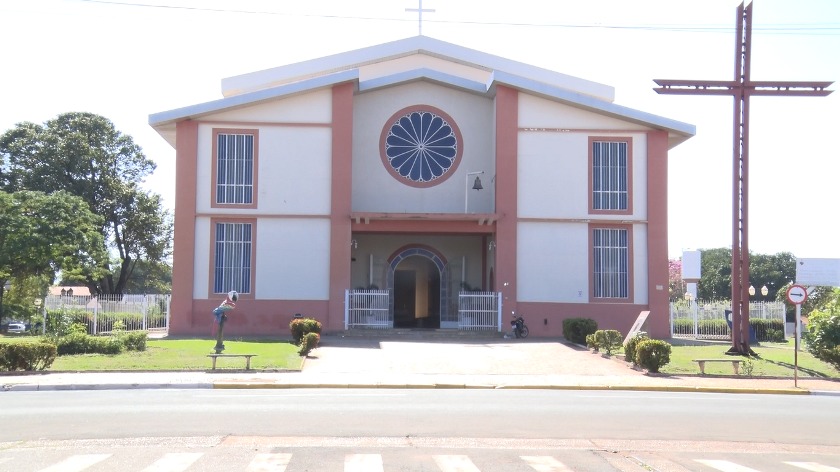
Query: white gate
(368, 309)
(480, 311)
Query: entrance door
(405, 298)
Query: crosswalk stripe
(725, 466)
(455, 463)
(5, 459)
(813, 466)
(269, 463)
(363, 463)
(76, 463)
(545, 464)
(174, 462)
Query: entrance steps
(421, 333)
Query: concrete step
(421, 333)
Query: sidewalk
(353, 362)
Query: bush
(576, 329)
(630, 347)
(27, 356)
(302, 326)
(308, 343)
(81, 343)
(823, 335)
(652, 354)
(767, 330)
(607, 339)
(591, 343)
(133, 340)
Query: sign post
(797, 294)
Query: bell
(477, 184)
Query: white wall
(293, 259)
(552, 262)
(375, 190)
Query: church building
(419, 184)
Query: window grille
(233, 258)
(609, 175)
(235, 168)
(611, 263)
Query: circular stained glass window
(421, 146)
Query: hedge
(27, 356)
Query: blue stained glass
(421, 146)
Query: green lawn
(182, 354)
(775, 359)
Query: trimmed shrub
(576, 329)
(308, 343)
(80, 343)
(133, 340)
(630, 347)
(591, 343)
(27, 356)
(608, 339)
(767, 330)
(652, 354)
(301, 326)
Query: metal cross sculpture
(741, 88)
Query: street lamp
(476, 186)
(764, 291)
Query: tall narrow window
(611, 263)
(610, 167)
(235, 166)
(233, 256)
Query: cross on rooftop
(741, 88)
(420, 11)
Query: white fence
(707, 320)
(480, 311)
(100, 313)
(368, 309)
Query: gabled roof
(270, 84)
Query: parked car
(16, 327)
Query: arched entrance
(417, 278)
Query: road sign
(797, 294)
(818, 272)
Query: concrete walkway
(354, 362)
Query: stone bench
(246, 356)
(702, 363)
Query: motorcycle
(520, 329)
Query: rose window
(421, 146)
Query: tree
(823, 335)
(42, 234)
(84, 154)
(774, 271)
(676, 284)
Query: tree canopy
(83, 154)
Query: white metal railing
(368, 309)
(707, 320)
(101, 313)
(480, 311)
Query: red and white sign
(797, 294)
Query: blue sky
(125, 60)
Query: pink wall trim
(342, 182)
(183, 254)
(608, 316)
(657, 177)
(507, 149)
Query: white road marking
(726, 466)
(269, 463)
(76, 463)
(363, 463)
(174, 462)
(455, 463)
(813, 466)
(545, 464)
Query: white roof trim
(270, 78)
(252, 98)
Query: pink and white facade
(357, 170)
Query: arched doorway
(417, 277)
